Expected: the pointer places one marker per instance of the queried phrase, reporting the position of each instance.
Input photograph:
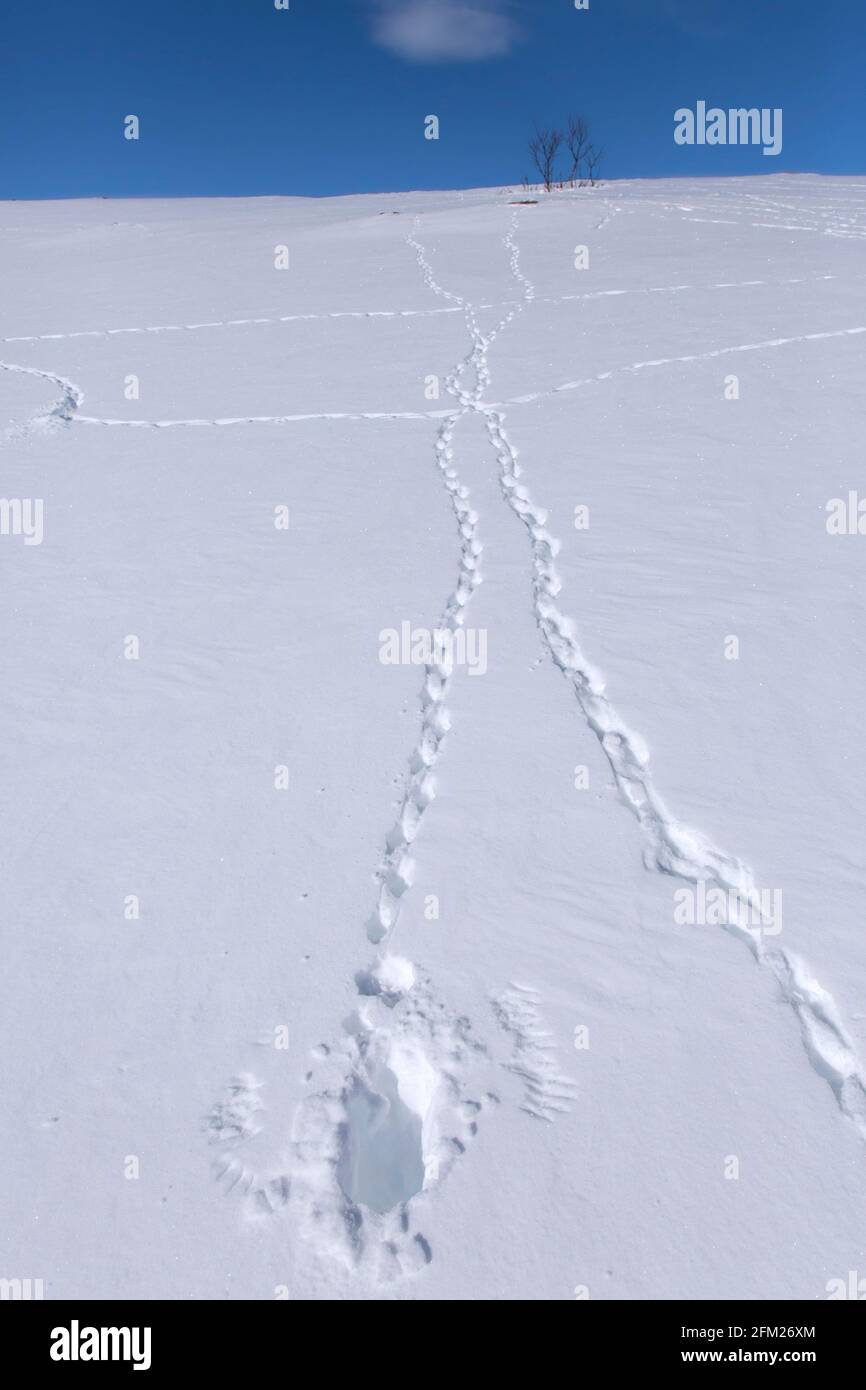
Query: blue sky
(236, 97)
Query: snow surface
(288, 1039)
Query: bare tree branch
(544, 147)
(594, 157)
(577, 142)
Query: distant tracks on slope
(532, 396)
(451, 308)
(435, 716)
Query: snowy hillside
(348, 960)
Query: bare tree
(544, 147)
(593, 161)
(577, 143)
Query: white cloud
(441, 31)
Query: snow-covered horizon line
(520, 187)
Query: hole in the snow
(382, 1163)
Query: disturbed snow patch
(547, 1091)
(368, 1152)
